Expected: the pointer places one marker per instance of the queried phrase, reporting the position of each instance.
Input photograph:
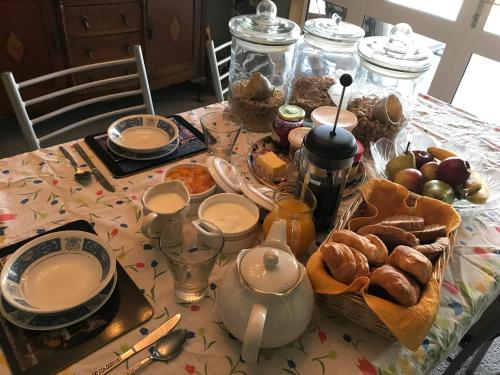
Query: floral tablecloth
(38, 192)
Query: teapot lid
(269, 270)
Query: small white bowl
(325, 115)
(196, 198)
(238, 238)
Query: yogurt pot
(196, 177)
(236, 216)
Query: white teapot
(266, 299)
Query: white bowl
(223, 211)
(325, 115)
(196, 198)
(143, 133)
(57, 271)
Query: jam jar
(288, 118)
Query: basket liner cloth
(383, 199)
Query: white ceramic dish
(167, 150)
(224, 174)
(142, 133)
(325, 115)
(43, 322)
(57, 272)
(196, 198)
(235, 215)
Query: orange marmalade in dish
(195, 177)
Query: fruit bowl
(384, 150)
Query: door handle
(125, 19)
(90, 53)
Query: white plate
(43, 322)
(57, 272)
(142, 133)
(170, 148)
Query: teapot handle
(253, 333)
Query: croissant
(434, 249)
(391, 236)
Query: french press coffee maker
(325, 161)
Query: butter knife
(98, 175)
(144, 343)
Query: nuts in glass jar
(370, 128)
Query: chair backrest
(27, 124)
(215, 66)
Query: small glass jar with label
(288, 118)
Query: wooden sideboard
(42, 36)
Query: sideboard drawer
(96, 49)
(83, 21)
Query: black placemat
(191, 142)
(46, 352)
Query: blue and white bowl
(43, 322)
(57, 272)
(143, 133)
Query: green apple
(439, 190)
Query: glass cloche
(261, 60)
(383, 92)
(327, 50)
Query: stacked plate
(57, 280)
(143, 137)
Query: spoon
(80, 174)
(165, 349)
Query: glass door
(464, 36)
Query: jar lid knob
(336, 19)
(266, 11)
(400, 36)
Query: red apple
(429, 170)
(422, 157)
(453, 170)
(410, 178)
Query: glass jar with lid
(327, 50)
(261, 60)
(387, 82)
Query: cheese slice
(271, 163)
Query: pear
(473, 184)
(481, 196)
(403, 161)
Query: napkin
(383, 198)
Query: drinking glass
(191, 254)
(295, 203)
(221, 130)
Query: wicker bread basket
(351, 305)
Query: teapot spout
(277, 236)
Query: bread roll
(430, 232)
(360, 243)
(391, 236)
(402, 288)
(433, 250)
(340, 261)
(406, 222)
(380, 254)
(362, 267)
(411, 261)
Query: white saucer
(115, 149)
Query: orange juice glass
(295, 204)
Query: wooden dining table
(38, 192)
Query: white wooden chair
(215, 65)
(27, 124)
